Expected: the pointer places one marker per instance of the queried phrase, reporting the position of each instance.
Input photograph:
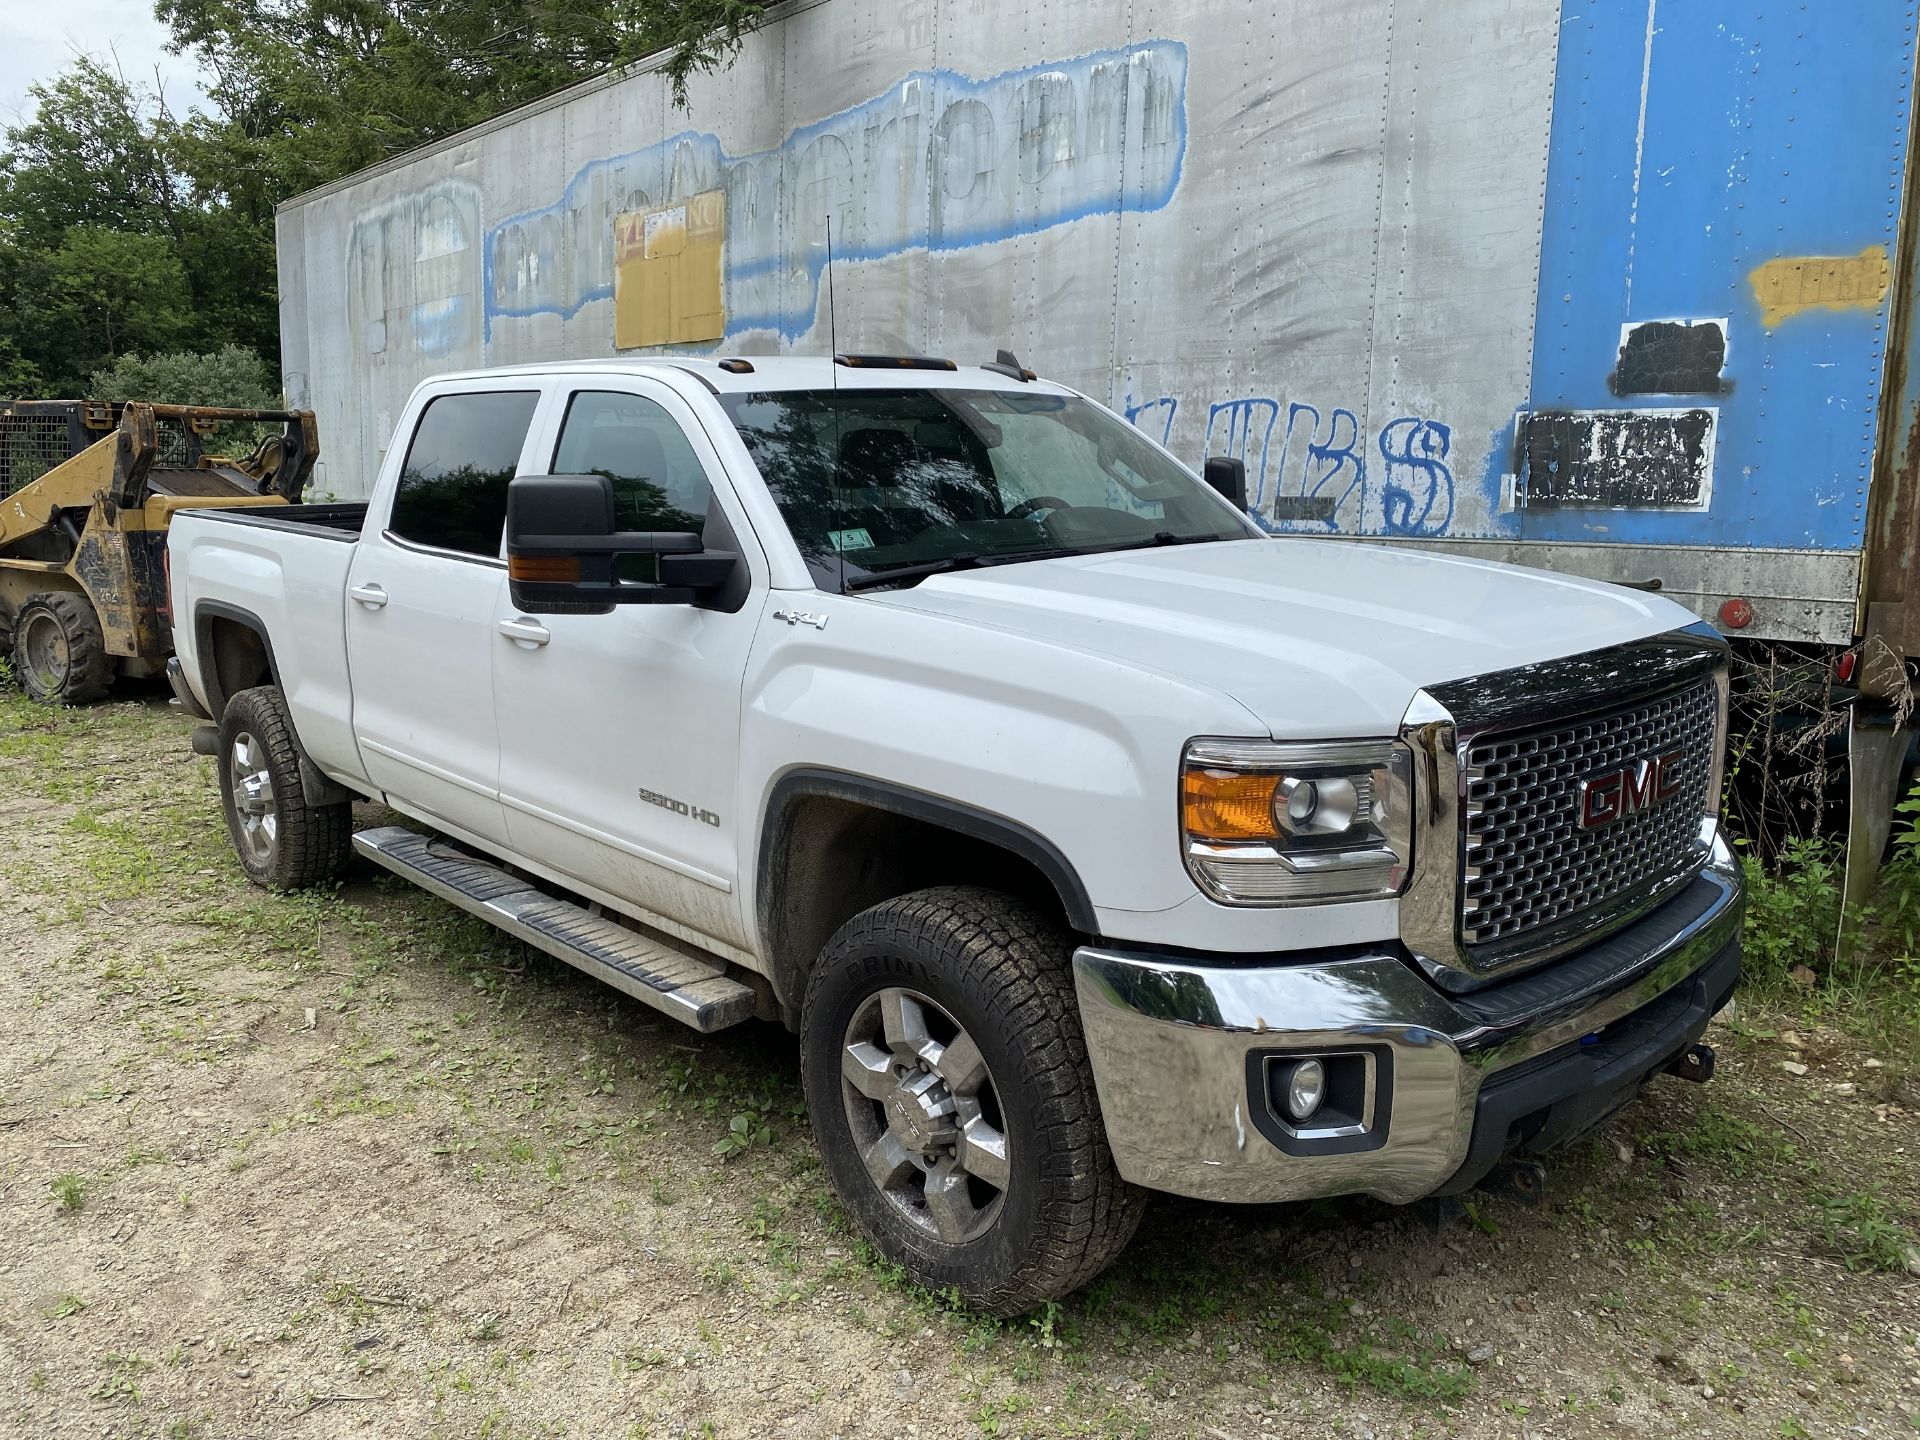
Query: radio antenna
(833, 464)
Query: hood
(1318, 638)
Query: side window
(453, 487)
(658, 482)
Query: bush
(1793, 911)
(232, 376)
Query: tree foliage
(232, 375)
(125, 229)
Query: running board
(671, 980)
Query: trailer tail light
(1736, 614)
(1844, 667)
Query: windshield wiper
(968, 560)
(965, 560)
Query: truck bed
(280, 571)
(340, 521)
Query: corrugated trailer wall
(1314, 235)
(1214, 217)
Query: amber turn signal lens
(552, 569)
(1227, 805)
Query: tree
(87, 157)
(99, 294)
(310, 90)
(107, 246)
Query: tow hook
(1695, 1063)
(1520, 1181)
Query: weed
(66, 1305)
(1793, 912)
(1859, 1229)
(121, 1380)
(487, 1327)
(69, 1190)
(746, 1130)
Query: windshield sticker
(850, 539)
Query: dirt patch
(351, 1164)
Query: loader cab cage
(276, 448)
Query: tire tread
(315, 840)
(1017, 958)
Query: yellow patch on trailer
(1795, 284)
(667, 273)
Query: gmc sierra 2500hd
(1093, 841)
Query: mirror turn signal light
(546, 569)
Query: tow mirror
(1229, 477)
(562, 546)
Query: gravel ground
(347, 1163)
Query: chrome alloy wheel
(925, 1115)
(253, 800)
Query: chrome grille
(1527, 864)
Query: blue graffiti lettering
(1327, 460)
(1249, 428)
(1330, 459)
(1163, 409)
(1018, 152)
(1416, 493)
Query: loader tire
(947, 1077)
(59, 655)
(283, 842)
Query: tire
(973, 963)
(283, 842)
(59, 655)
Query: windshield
(874, 483)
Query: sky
(39, 38)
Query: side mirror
(562, 545)
(1229, 477)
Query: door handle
(526, 632)
(371, 596)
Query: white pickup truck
(1093, 842)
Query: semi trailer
(1622, 291)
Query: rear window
(453, 487)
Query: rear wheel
(947, 1077)
(59, 655)
(283, 842)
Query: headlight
(1297, 824)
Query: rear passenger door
(422, 598)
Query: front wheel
(947, 1077)
(283, 842)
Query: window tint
(658, 483)
(453, 488)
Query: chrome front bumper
(1180, 1050)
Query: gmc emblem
(1620, 793)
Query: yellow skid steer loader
(86, 492)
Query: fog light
(1306, 1088)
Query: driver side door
(619, 732)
